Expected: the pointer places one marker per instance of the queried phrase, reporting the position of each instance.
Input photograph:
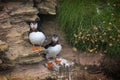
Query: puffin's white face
(33, 26)
(55, 38)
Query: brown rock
(38, 1)
(0, 61)
(1, 7)
(47, 7)
(30, 60)
(4, 16)
(14, 52)
(19, 41)
(24, 11)
(20, 0)
(31, 72)
(17, 79)
(2, 77)
(30, 18)
(23, 28)
(15, 20)
(23, 18)
(12, 5)
(3, 46)
(111, 67)
(6, 25)
(13, 33)
(7, 65)
(33, 57)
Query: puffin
(54, 47)
(36, 36)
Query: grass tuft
(91, 25)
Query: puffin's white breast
(37, 37)
(54, 50)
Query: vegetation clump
(91, 25)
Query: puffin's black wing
(48, 45)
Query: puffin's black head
(34, 25)
(37, 20)
(55, 38)
(54, 41)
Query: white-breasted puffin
(53, 48)
(36, 36)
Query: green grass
(91, 25)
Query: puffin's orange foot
(40, 48)
(57, 61)
(37, 49)
(50, 65)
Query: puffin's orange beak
(33, 28)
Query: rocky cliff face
(46, 6)
(14, 15)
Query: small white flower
(98, 11)
(108, 3)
